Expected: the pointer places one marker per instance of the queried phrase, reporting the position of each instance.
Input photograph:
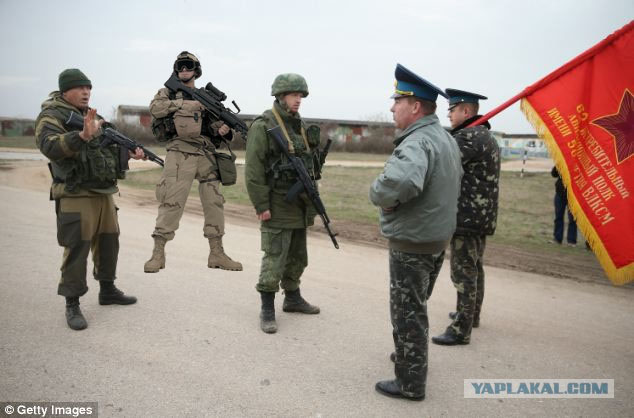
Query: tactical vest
(164, 129)
(93, 167)
(279, 171)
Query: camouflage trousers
(467, 274)
(412, 278)
(86, 224)
(173, 189)
(285, 258)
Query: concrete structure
(354, 131)
(515, 145)
(338, 129)
(17, 127)
(134, 114)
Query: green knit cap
(72, 77)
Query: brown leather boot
(218, 259)
(157, 262)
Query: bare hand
(138, 154)
(91, 126)
(223, 130)
(264, 216)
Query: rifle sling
(280, 122)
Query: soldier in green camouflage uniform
(84, 180)
(417, 193)
(477, 213)
(269, 177)
(192, 137)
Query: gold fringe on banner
(618, 276)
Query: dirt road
(192, 346)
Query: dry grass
(525, 216)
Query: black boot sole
(296, 309)
(77, 328)
(398, 395)
(441, 342)
(116, 302)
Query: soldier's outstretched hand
(91, 126)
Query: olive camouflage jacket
(79, 168)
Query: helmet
(288, 83)
(189, 59)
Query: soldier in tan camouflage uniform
(84, 179)
(189, 157)
(477, 213)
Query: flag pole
(500, 108)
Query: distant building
(134, 115)
(514, 145)
(346, 131)
(337, 129)
(17, 127)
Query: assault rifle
(112, 136)
(304, 182)
(211, 98)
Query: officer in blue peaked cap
(458, 115)
(417, 194)
(409, 84)
(456, 96)
(420, 93)
(477, 217)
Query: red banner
(584, 111)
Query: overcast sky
(347, 50)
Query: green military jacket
(79, 168)
(267, 178)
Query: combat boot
(218, 259)
(390, 388)
(74, 318)
(449, 337)
(267, 313)
(476, 319)
(294, 302)
(157, 262)
(110, 295)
